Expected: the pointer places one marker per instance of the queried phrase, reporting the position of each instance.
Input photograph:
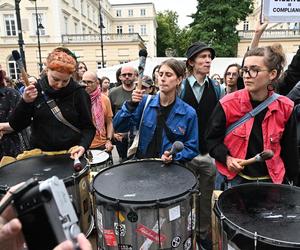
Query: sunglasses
(127, 74)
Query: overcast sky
(182, 7)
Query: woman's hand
(167, 157)
(30, 93)
(76, 152)
(11, 237)
(233, 164)
(137, 95)
(83, 244)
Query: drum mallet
(77, 164)
(261, 157)
(17, 57)
(142, 62)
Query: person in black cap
(203, 94)
(148, 85)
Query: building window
(10, 25)
(143, 29)
(119, 13)
(143, 12)
(130, 28)
(75, 4)
(40, 23)
(83, 30)
(88, 12)
(13, 69)
(75, 28)
(99, 65)
(130, 12)
(246, 25)
(119, 29)
(65, 32)
(82, 5)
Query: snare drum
(259, 216)
(145, 205)
(45, 167)
(99, 160)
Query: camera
(46, 213)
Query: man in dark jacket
(202, 93)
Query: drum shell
(44, 167)
(99, 161)
(236, 235)
(138, 222)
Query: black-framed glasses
(127, 74)
(87, 82)
(252, 71)
(233, 74)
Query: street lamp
(20, 34)
(101, 27)
(38, 27)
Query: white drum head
(99, 156)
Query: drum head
(271, 210)
(144, 181)
(42, 167)
(99, 156)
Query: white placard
(174, 213)
(281, 10)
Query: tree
(215, 23)
(167, 31)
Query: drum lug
(255, 240)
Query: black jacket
(48, 133)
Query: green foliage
(215, 23)
(167, 31)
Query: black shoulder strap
(56, 111)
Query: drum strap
(56, 111)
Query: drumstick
(142, 62)
(261, 157)
(77, 164)
(17, 57)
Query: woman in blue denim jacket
(166, 118)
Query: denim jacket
(182, 122)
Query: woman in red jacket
(273, 128)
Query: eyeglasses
(87, 82)
(127, 74)
(233, 74)
(82, 67)
(252, 71)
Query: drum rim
(67, 180)
(149, 202)
(251, 235)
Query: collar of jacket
(179, 108)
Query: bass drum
(145, 205)
(44, 167)
(259, 216)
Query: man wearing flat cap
(202, 93)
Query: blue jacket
(182, 121)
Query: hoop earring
(270, 87)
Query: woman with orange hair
(56, 90)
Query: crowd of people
(179, 102)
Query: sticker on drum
(263, 215)
(99, 159)
(155, 202)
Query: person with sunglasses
(273, 128)
(48, 133)
(231, 76)
(118, 96)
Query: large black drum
(145, 205)
(44, 167)
(259, 216)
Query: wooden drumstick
(142, 62)
(261, 157)
(17, 57)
